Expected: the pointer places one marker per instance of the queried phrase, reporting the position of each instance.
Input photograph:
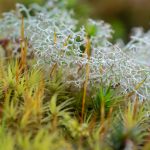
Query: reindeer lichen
(53, 36)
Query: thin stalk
(23, 47)
(55, 38)
(87, 51)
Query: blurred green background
(123, 15)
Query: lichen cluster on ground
(64, 87)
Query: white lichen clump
(139, 46)
(54, 39)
